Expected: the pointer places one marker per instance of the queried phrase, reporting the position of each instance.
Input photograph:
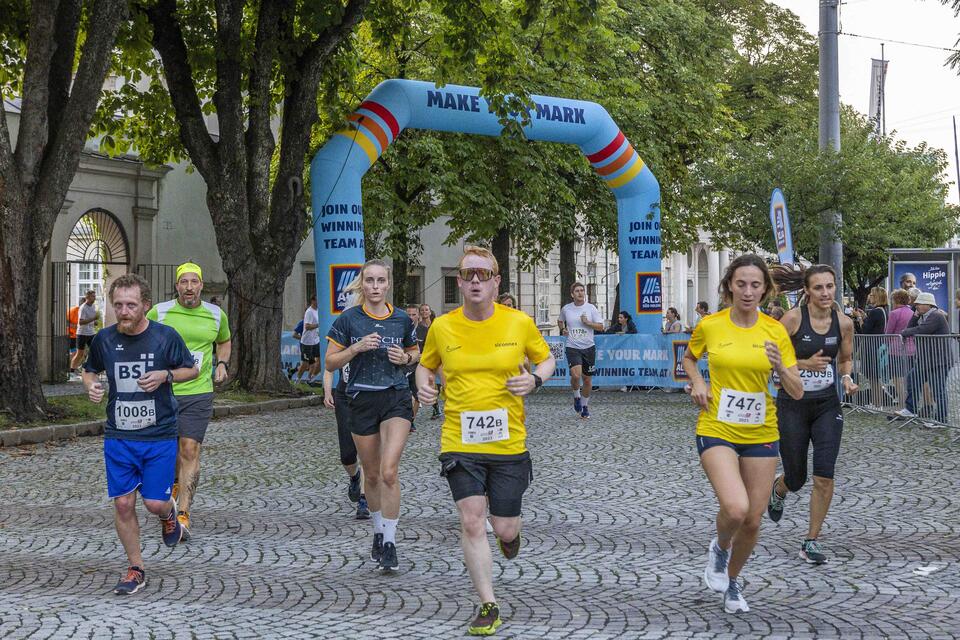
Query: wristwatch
(846, 376)
(537, 381)
(169, 376)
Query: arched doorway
(97, 253)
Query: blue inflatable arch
(337, 169)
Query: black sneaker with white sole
(812, 552)
(388, 560)
(376, 552)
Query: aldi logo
(679, 350)
(341, 275)
(649, 293)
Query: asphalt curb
(48, 433)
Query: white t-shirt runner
(579, 335)
(87, 312)
(310, 336)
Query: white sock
(576, 394)
(377, 519)
(390, 530)
(584, 401)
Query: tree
(57, 75)
(259, 63)
(890, 195)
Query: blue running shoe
(171, 528)
(577, 406)
(585, 413)
(363, 511)
(135, 580)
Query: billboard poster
(932, 276)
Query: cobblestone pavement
(616, 527)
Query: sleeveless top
(806, 342)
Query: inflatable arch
(338, 167)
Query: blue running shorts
(147, 465)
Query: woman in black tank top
(823, 341)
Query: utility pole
(831, 249)
(883, 89)
(956, 153)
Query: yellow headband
(189, 267)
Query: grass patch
(234, 394)
(64, 410)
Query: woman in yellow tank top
(737, 435)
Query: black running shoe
(388, 560)
(363, 511)
(353, 490)
(377, 551)
(775, 506)
(510, 549)
(812, 552)
(487, 620)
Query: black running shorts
(585, 358)
(368, 409)
(503, 479)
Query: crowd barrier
(911, 379)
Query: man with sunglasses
(578, 321)
(483, 455)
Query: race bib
(197, 359)
(131, 415)
(742, 407)
(817, 380)
(578, 332)
(479, 427)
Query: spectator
(624, 324)
(934, 355)
(700, 311)
(901, 351)
(507, 300)
(672, 322)
(914, 292)
(873, 323)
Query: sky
(922, 92)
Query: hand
(427, 394)
(773, 355)
(849, 386)
(396, 355)
(816, 362)
(151, 380)
(700, 394)
(367, 343)
(523, 384)
(219, 375)
(328, 399)
(95, 392)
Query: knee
(795, 481)
(751, 524)
(158, 507)
(821, 483)
(348, 460)
(189, 449)
(507, 528)
(125, 506)
(473, 525)
(389, 475)
(736, 512)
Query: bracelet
(846, 376)
(221, 363)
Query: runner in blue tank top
(823, 341)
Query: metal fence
(914, 380)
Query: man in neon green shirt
(200, 324)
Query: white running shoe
(715, 573)
(733, 601)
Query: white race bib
(817, 380)
(197, 359)
(131, 415)
(479, 427)
(742, 407)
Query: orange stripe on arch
(374, 128)
(623, 159)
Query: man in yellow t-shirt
(483, 453)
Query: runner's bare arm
(426, 391)
(699, 392)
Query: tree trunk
(256, 314)
(568, 267)
(500, 246)
(20, 268)
(401, 292)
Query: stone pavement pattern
(616, 526)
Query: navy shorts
(309, 352)
(502, 480)
(147, 465)
(585, 358)
(757, 450)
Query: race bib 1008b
(479, 427)
(742, 407)
(132, 415)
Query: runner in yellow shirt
(483, 453)
(737, 435)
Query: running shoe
(775, 506)
(585, 413)
(170, 528)
(388, 560)
(733, 601)
(715, 573)
(377, 551)
(487, 621)
(363, 511)
(353, 489)
(510, 549)
(812, 552)
(577, 405)
(184, 518)
(135, 580)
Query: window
(592, 270)
(415, 289)
(543, 272)
(543, 309)
(451, 292)
(309, 287)
(89, 276)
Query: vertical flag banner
(394, 105)
(780, 220)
